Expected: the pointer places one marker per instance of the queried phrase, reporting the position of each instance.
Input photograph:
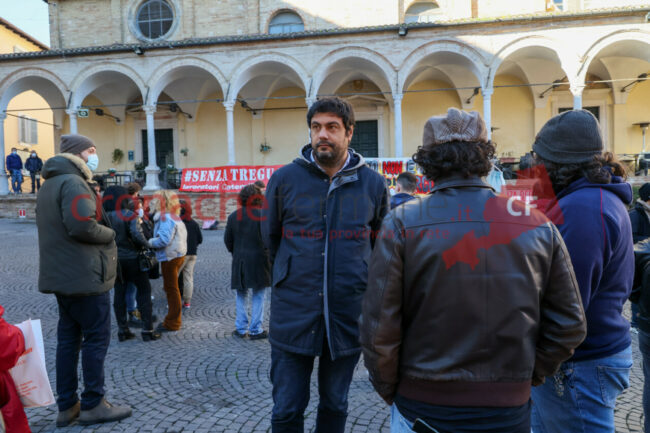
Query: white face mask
(93, 162)
(140, 212)
(13, 152)
(33, 155)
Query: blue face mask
(93, 162)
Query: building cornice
(470, 23)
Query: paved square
(200, 379)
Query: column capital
(577, 89)
(149, 109)
(487, 92)
(229, 105)
(397, 98)
(71, 112)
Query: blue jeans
(399, 424)
(291, 376)
(644, 347)
(257, 312)
(84, 325)
(581, 396)
(16, 180)
(131, 290)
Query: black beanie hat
(644, 192)
(568, 138)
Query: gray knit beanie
(75, 143)
(569, 138)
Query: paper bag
(29, 373)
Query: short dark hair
(250, 195)
(114, 195)
(455, 158)
(599, 170)
(408, 181)
(99, 180)
(259, 184)
(133, 187)
(336, 106)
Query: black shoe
(161, 329)
(261, 336)
(150, 336)
(236, 333)
(125, 334)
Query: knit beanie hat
(568, 138)
(75, 143)
(644, 192)
(457, 125)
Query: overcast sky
(28, 15)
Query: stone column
(487, 109)
(230, 125)
(397, 112)
(4, 179)
(72, 114)
(152, 169)
(577, 97)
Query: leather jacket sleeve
(562, 318)
(381, 320)
(137, 235)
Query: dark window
(365, 139)
(164, 147)
(155, 18)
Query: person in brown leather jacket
(471, 296)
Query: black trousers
(84, 325)
(131, 273)
(36, 182)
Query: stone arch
(48, 85)
(280, 10)
(330, 59)
(568, 60)
(244, 71)
(476, 61)
(79, 93)
(43, 82)
(604, 42)
(159, 80)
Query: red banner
(229, 178)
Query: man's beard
(330, 157)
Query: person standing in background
(34, 165)
(194, 239)
(14, 167)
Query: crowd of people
(473, 312)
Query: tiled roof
(195, 42)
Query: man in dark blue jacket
(34, 165)
(590, 210)
(405, 187)
(14, 167)
(323, 210)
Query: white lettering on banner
(195, 176)
(188, 175)
(203, 174)
(233, 173)
(243, 174)
(216, 179)
(251, 174)
(260, 174)
(211, 174)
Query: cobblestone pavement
(200, 379)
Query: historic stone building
(203, 83)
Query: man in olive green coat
(78, 263)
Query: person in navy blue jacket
(405, 186)
(590, 210)
(323, 210)
(34, 165)
(14, 167)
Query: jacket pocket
(108, 263)
(613, 381)
(280, 271)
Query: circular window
(155, 19)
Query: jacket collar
(80, 164)
(354, 162)
(459, 182)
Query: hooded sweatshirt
(595, 225)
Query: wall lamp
(100, 112)
(174, 108)
(640, 78)
(264, 147)
(476, 90)
(138, 50)
(556, 83)
(247, 107)
(403, 31)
